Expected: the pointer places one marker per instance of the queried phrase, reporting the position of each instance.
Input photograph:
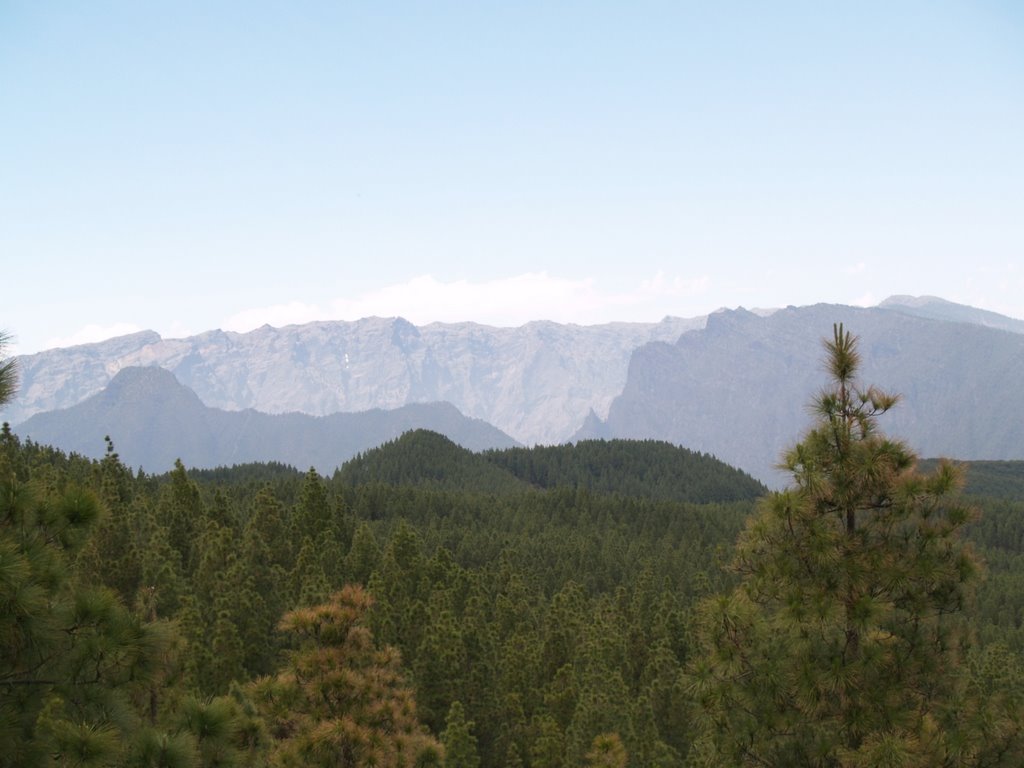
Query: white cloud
(508, 301)
(91, 333)
(857, 269)
(292, 313)
(177, 330)
(865, 300)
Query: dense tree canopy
(544, 608)
(72, 657)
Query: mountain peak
(906, 300)
(935, 308)
(150, 383)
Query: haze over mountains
(153, 420)
(734, 384)
(739, 387)
(536, 382)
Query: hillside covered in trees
(547, 608)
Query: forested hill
(532, 627)
(647, 468)
(638, 468)
(534, 623)
(425, 458)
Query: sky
(192, 165)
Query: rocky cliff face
(537, 382)
(735, 384)
(739, 388)
(940, 309)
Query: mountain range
(740, 387)
(153, 419)
(536, 382)
(734, 384)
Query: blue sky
(185, 166)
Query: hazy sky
(184, 166)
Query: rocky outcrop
(740, 387)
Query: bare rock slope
(739, 388)
(536, 382)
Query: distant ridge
(934, 308)
(739, 388)
(536, 382)
(153, 420)
(650, 468)
(734, 384)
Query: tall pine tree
(342, 700)
(842, 645)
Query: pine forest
(609, 603)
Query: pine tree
(312, 515)
(72, 658)
(841, 646)
(606, 751)
(8, 371)
(547, 743)
(363, 556)
(179, 510)
(439, 662)
(342, 700)
(458, 739)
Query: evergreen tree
(226, 654)
(363, 557)
(179, 510)
(841, 646)
(458, 739)
(439, 662)
(72, 658)
(266, 537)
(606, 751)
(309, 583)
(547, 743)
(342, 700)
(8, 371)
(313, 514)
(225, 730)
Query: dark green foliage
(72, 657)
(641, 468)
(425, 458)
(647, 468)
(552, 601)
(458, 739)
(250, 473)
(225, 731)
